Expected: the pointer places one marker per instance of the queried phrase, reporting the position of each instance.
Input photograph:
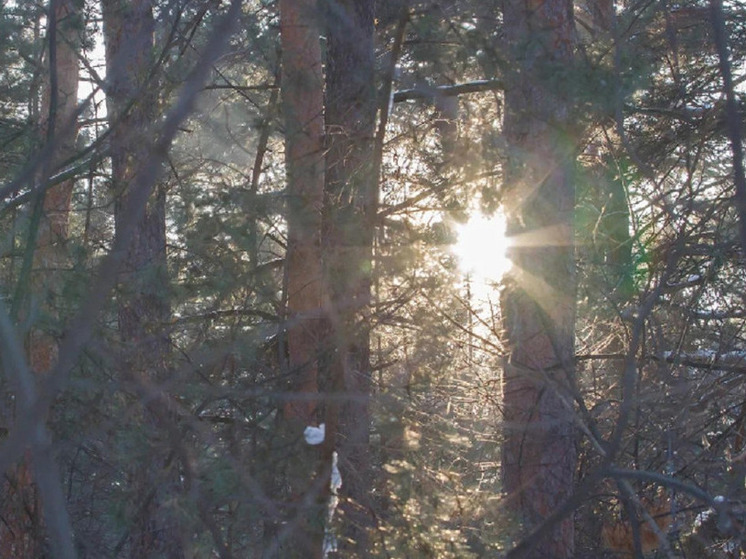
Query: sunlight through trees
(482, 248)
(366, 278)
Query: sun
(482, 246)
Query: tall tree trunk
(302, 104)
(60, 129)
(143, 301)
(734, 129)
(350, 207)
(20, 529)
(60, 103)
(539, 455)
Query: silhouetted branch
(424, 92)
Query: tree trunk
(350, 208)
(720, 37)
(302, 99)
(539, 455)
(302, 104)
(143, 299)
(20, 534)
(59, 104)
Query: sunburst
(482, 247)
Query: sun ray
(549, 299)
(552, 236)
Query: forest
(305, 279)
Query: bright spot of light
(482, 246)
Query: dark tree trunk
(143, 298)
(720, 36)
(132, 102)
(350, 210)
(539, 455)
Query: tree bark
(720, 36)
(538, 303)
(20, 531)
(59, 104)
(303, 112)
(144, 307)
(302, 102)
(350, 211)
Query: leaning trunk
(538, 303)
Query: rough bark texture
(60, 103)
(20, 527)
(302, 105)
(351, 204)
(539, 454)
(143, 301)
(302, 102)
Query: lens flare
(482, 246)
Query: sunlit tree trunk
(539, 455)
(302, 105)
(350, 210)
(20, 526)
(60, 103)
(302, 102)
(60, 130)
(143, 300)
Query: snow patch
(336, 481)
(315, 435)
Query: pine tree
(539, 456)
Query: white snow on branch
(727, 356)
(691, 280)
(707, 358)
(314, 435)
(336, 480)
